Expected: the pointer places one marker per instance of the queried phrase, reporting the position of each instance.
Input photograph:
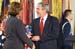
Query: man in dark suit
(45, 29)
(66, 29)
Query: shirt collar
(45, 17)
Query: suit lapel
(46, 25)
(38, 27)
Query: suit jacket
(64, 34)
(67, 31)
(50, 33)
(15, 34)
(67, 28)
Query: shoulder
(53, 19)
(65, 21)
(18, 21)
(13, 20)
(67, 24)
(67, 27)
(35, 20)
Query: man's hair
(45, 6)
(67, 12)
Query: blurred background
(56, 8)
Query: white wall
(72, 7)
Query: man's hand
(35, 38)
(29, 35)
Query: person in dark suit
(45, 29)
(15, 31)
(65, 27)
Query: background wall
(72, 7)
(0, 6)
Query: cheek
(71, 16)
(20, 12)
(41, 12)
(37, 11)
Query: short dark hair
(67, 12)
(14, 8)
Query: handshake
(33, 38)
(29, 35)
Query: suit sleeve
(53, 33)
(21, 33)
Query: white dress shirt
(44, 19)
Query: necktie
(41, 26)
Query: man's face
(71, 16)
(39, 10)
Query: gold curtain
(67, 4)
(57, 8)
(14, 0)
(0, 6)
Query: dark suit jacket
(50, 33)
(15, 34)
(67, 28)
(64, 35)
